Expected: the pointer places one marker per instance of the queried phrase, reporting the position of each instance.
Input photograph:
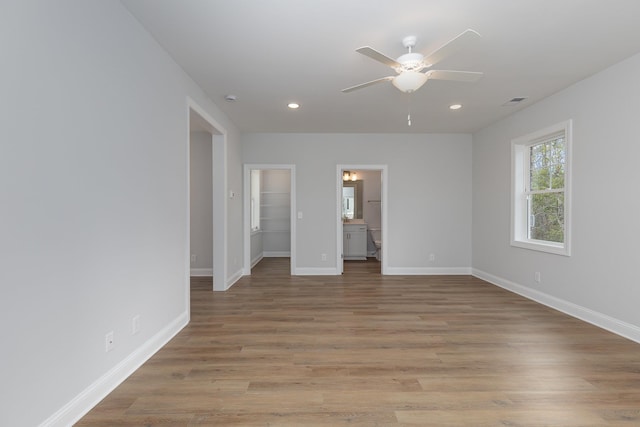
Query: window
(255, 199)
(541, 191)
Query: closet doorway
(361, 192)
(269, 214)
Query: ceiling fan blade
(380, 57)
(458, 76)
(459, 42)
(372, 82)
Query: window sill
(556, 249)
(254, 232)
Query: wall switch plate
(324, 257)
(194, 258)
(300, 215)
(108, 342)
(536, 277)
(432, 257)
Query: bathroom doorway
(361, 192)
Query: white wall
(201, 198)
(372, 190)
(256, 247)
(235, 245)
(599, 281)
(429, 192)
(93, 196)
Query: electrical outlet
(194, 258)
(324, 257)
(108, 342)
(432, 257)
(536, 277)
(135, 324)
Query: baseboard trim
(256, 260)
(206, 272)
(428, 271)
(596, 318)
(92, 395)
(328, 271)
(276, 254)
(233, 279)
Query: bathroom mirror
(352, 199)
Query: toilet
(376, 236)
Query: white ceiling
(271, 52)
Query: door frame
(219, 209)
(384, 177)
(248, 167)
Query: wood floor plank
(508, 417)
(363, 349)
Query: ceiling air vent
(514, 101)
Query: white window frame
(519, 182)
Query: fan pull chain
(409, 111)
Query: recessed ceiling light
(293, 105)
(455, 106)
(230, 98)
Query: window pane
(546, 217)
(557, 162)
(546, 165)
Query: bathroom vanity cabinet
(354, 241)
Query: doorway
(361, 193)
(201, 201)
(206, 210)
(269, 214)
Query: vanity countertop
(354, 221)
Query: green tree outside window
(546, 190)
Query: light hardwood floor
(370, 350)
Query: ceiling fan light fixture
(410, 62)
(409, 81)
(410, 67)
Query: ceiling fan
(414, 69)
